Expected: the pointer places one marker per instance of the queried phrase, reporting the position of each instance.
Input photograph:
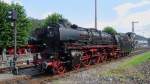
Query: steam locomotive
(64, 48)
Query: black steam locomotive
(63, 48)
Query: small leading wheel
(77, 66)
(61, 70)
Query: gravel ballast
(135, 75)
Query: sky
(116, 13)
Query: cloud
(101, 24)
(123, 9)
(36, 16)
(123, 24)
(7, 1)
(45, 15)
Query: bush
(109, 30)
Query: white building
(141, 41)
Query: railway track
(41, 78)
(44, 78)
(21, 66)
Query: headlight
(51, 57)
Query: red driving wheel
(59, 68)
(98, 58)
(102, 57)
(85, 60)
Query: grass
(136, 60)
(126, 65)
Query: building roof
(138, 37)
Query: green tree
(36, 23)
(109, 30)
(53, 19)
(6, 30)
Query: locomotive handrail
(89, 46)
